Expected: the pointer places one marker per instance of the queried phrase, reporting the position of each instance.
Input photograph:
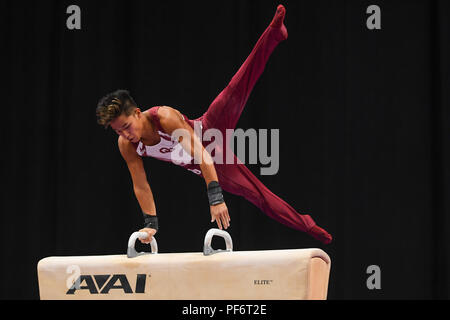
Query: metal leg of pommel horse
(292, 274)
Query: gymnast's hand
(150, 232)
(219, 213)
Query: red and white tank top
(168, 149)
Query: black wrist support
(215, 195)
(150, 221)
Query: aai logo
(104, 283)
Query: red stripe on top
(154, 113)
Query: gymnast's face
(129, 127)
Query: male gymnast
(149, 133)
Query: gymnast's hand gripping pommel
(150, 228)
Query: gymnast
(149, 133)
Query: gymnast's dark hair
(113, 105)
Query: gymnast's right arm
(141, 186)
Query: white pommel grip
(208, 250)
(131, 251)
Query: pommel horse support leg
(291, 274)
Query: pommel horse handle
(208, 250)
(131, 251)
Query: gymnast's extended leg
(238, 179)
(224, 113)
(225, 110)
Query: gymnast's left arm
(171, 120)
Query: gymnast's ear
(137, 112)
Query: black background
(363, 119)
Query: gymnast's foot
(318, 233)
(277, 22)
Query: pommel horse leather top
(290, 274)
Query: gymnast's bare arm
(141, 187)
(171, 120)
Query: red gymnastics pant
(224, 112)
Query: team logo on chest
(165, 150)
